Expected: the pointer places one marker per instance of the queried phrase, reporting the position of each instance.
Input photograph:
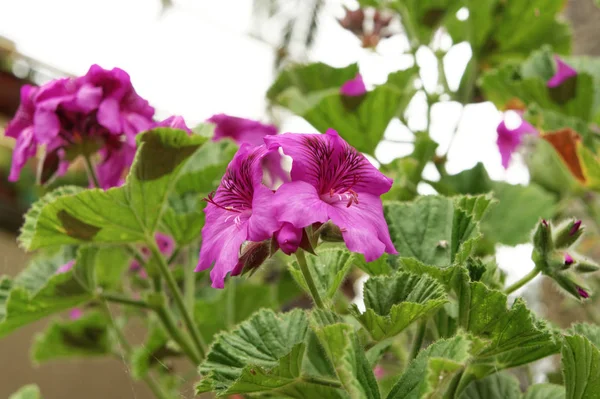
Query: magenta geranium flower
(510, 139)
(240, 130)
(563, 72)
(354, 87)
(100, 110)
(240, 210)
(176, 122)
(333, 181)
(251, 132)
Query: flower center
(348, 196)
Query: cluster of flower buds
(368, 30)
(554, 257)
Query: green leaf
(109, 264)
(328, 267)
(119, 215)
(548, 170)
(545, 391)
(30, 391)
(262, 354)
(184, 218)
(523, 205)
(84, 337)
(45, 293)
(496, 32)
(527, 82)
(590, 331)
(378, 267)
(393, 303)
(511, 337)
(495, 386)
(430, 373)
(304, 91)
(232, 306)
(581, 367)
(348, 357)
(435, 229)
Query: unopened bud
(586, 266)
(253, 255)
(559, 262)
(567, 233)
(542, 239)
(568, 260)
(331, 233)
(570, 286)
(288, 238)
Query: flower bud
(567, 233)
(559, 262)
(542, 238)
(586, 266)
(570, 286)
(331, 233)
(288, 238)
(253, 255)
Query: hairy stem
(522, 281)
(309, 280)
(189, 280)
(126, 350)
(90, 171)
(171, 326)
(418, 339)
(123, 300)
(320, 381)
(178, 297)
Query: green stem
(187, 315)
(231, 304)
(189, 280)
(522, 281)
(126, 353)
(309, 280)
(123, 300)
(320, 381)
(171, 326)
(174, 255)
(418, 339)
(90, 170)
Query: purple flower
(72, 116)
(354, 87)
(583, 293)
(252, 132)
(568, 259)
(563, 72)
(332, 181)
(241, 130)
(575, 228)
(509, 139)
(240, 210)
(165, 244)
(66, 267)
(176, 122)
(75, 314)
(288, 238)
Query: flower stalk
(310, 283)
(178, 297)
(527, 278)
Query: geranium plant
(238, 246)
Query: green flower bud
(567, 233)
(570, 286)
(586, 266)
(542, 238)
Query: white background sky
(199, 58)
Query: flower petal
(298, 203)
(222, 239)
(363, 226)
(109, 115)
